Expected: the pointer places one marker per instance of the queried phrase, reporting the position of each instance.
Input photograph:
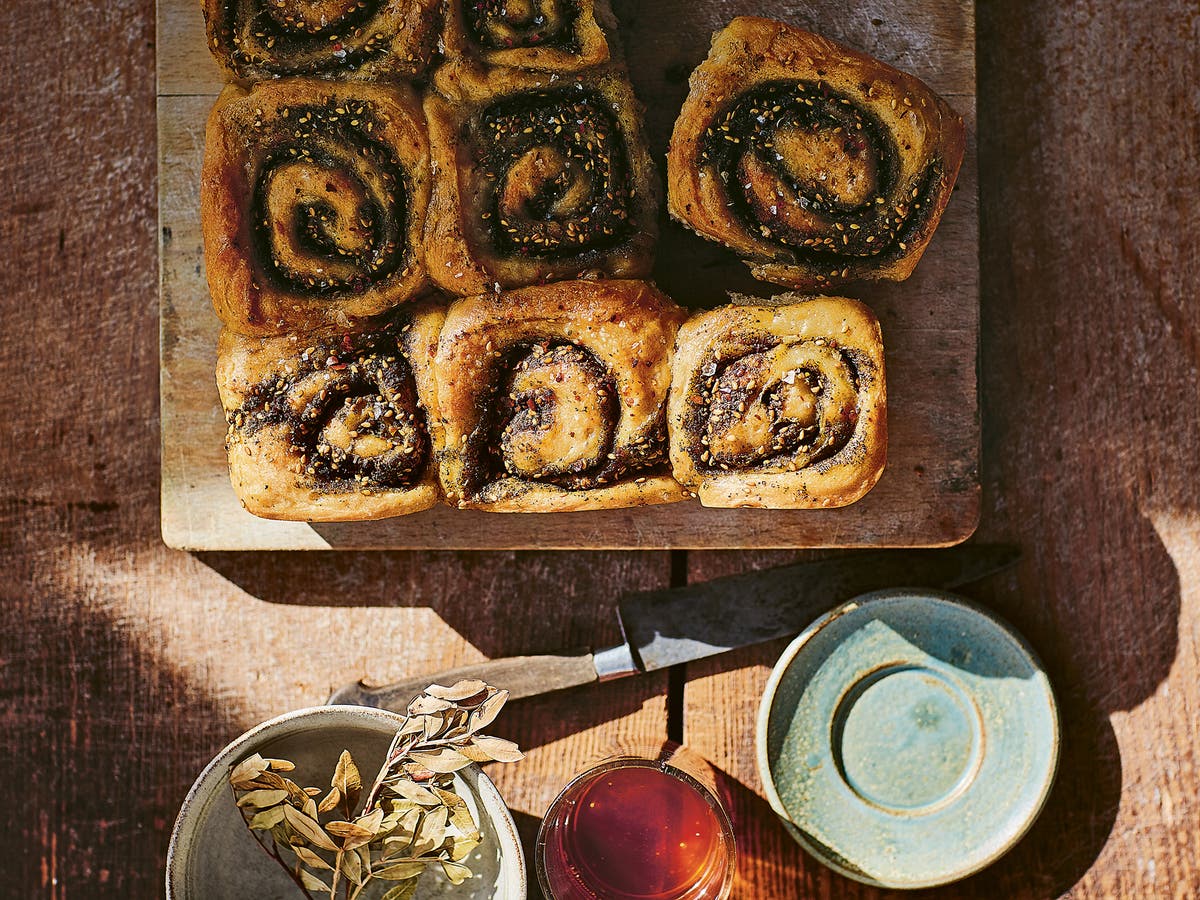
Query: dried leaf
(330, 801)
(474, 754)
(247, 771)
(424, 706)
(461, 847)
(269, 780)
(401, 871)
(262, 799)
(403, 891)
(459, 691)
(308, 829)
(411, 725)
(448, 798)
(312, 882)
(281, 834)
(498, 748)
(267, 819)
(388, 823)
(312, 791)
(296, 794)
(431, 727)
(433, 830)
(346, 778)
(485, 713)
(350, 834)
(395, 847)
(310, 809)
(457, 873)
(461, 818)
(352, 867)
(456, 722)
(370, 822)
(444, 760)
(407, 826)
(310, 858)
(364, 856)
(414, 792)
(403, 805)
(281, 765)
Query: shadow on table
(1088, 376)
(498, 601)
(106, 738)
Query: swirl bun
(313, 200)
(817, 164)
(333, 426)
(537, 181)
(545, 35)
(781, 406)
(356, 39)
(554, 397)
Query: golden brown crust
(780, 406)
(817, 164)
(313, 199)
(334, 426)
(574, 196)
(365, 40)
(546, 35)
(553, 398)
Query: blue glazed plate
(908, 738)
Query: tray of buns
(569, 274)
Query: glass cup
(637, 828)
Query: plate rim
(796, 647)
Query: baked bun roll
(539, 178)
(554, 398)
(546, 35)
(256, 40)
(334, 427)
(312, 201)
(815, 163)
(779, 406)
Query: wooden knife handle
(521, 676)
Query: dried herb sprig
(411, 818)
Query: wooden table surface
(124, 665)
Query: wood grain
(1090, 387)
(124, 665)
(929, 493)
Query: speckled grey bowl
(908, 738)
(213, 857)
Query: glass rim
(662, 764)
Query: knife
(667, 627)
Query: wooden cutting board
(929, 493)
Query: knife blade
(663, 628)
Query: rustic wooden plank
(1091, 256)
(1091, 248)
(929, 493)
(126, 665)
(184, 64)
(133, 664)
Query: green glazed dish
(908, 738)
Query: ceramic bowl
(908, 738)
(212, 856)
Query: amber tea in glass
(635, 829)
